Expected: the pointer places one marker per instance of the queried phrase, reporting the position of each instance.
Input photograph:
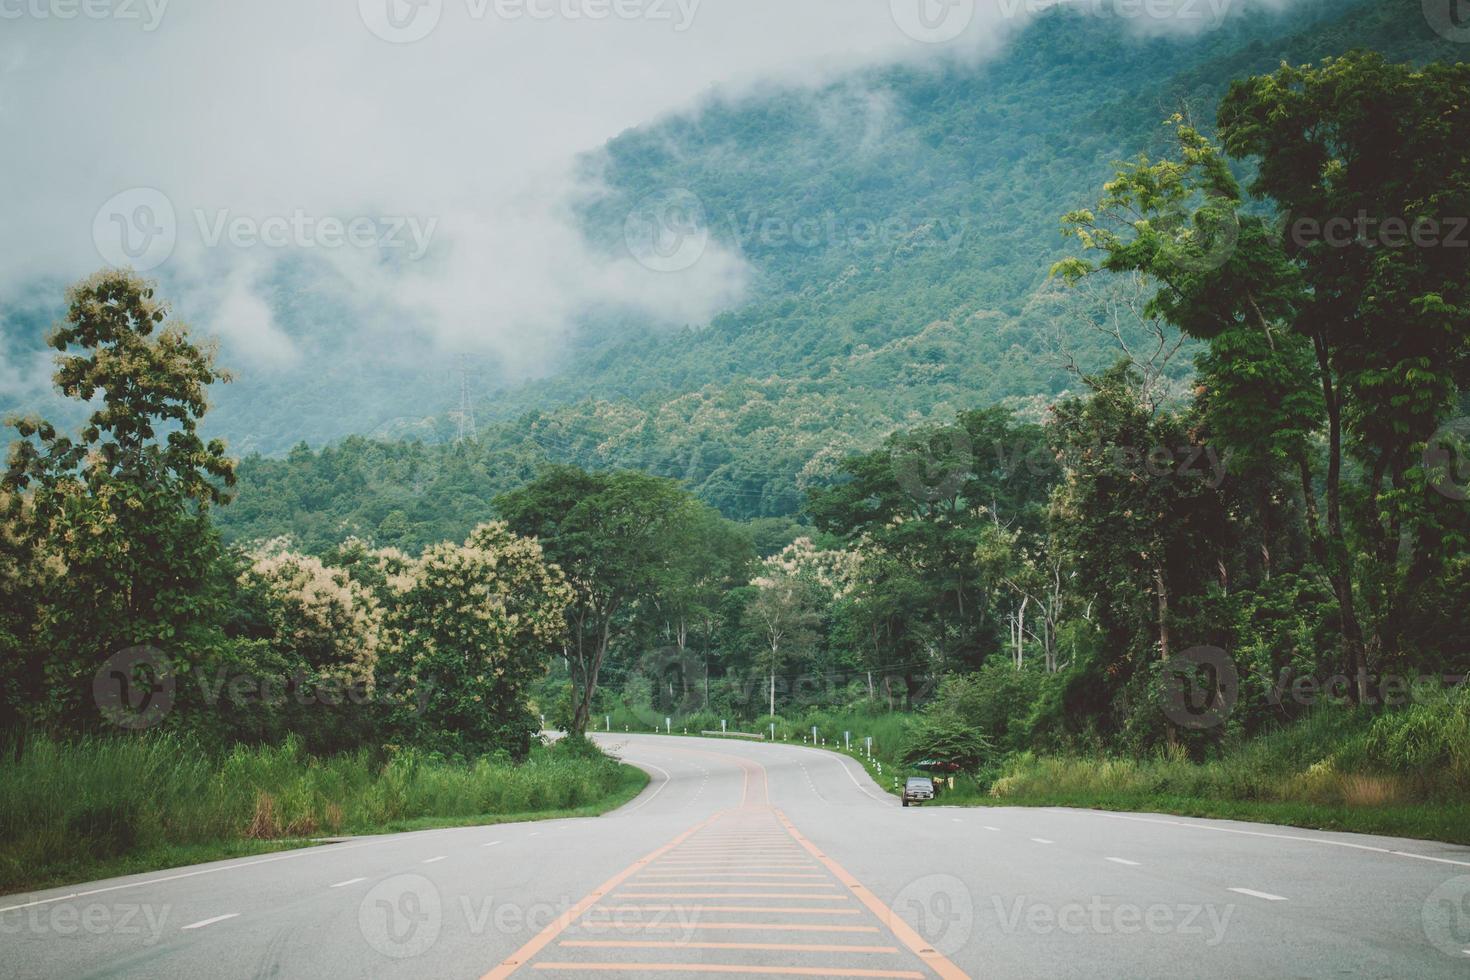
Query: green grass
(1400, 773)
(100, 807)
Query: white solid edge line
(657, 790)
(1258, 833)
(303, 852)
(349, 881)
(842, 764)
(1131, 864)
(1043, 840)
(433, 859)
(1255, 894)
(209, 922)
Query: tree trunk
(773, 682)
(1339, 568)
(1161, 590)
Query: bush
(947, 739)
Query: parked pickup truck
(917, 790)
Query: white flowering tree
(472, 626)
(794, 591)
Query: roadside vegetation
(106, 805)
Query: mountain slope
(899, 225)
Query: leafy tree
(117, 517)
(947, 739)
(473, 626)
(1377, 148)
(615, 535)
(783, 615)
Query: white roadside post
(869, 739)
(722, 726)
(668, 726)
(847, 741)
(609, 722)
(773, 731)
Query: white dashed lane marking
(1255, 894)
(1043, 840)
(433, 859)
(349, 881)
(209, 922)
(1131, 864)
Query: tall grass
(72, 804)
(1335, 757)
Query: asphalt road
(777, 860)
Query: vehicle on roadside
(917, 790)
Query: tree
(784, 615)
(714, 557)
(1365, 299)
(1365, 161)
(472, 627)
(615, 535)
(120, 512)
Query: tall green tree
(616, 536)
(118, 513)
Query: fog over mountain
(357, 211)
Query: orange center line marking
(797, 898)
(727, 908)
(684, 944)
(644, 876)
(683, 881)
(927, 954)
(539, 941)
(803, 971)
(626, 926)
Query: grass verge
(80, 811)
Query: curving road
(776, 860)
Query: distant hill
(899, 224)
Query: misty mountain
(894, 227)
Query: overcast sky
(442, 127)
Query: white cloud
(287, 110)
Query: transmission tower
(465, 417)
